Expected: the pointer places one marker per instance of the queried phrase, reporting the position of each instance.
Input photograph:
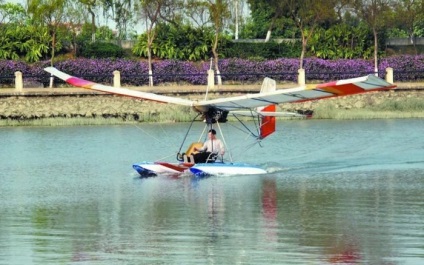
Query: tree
(237, 8)
(375, 13)
(49, 13)
(270, 17)
(277, 11)
(307, 16)
(406, 15)
(91, 5)
(28, 41)
(182, 42)
(263, 19)
(11, 13)
(20, 39)
(197, 13)
(122, 13)
(342, 40)
(153, 12)
(76, 18)
(218, 13)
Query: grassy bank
(164, 114)
(410, 108)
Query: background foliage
(72, 30)
(238, 71)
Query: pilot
(210, 149)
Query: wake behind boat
(261, 107)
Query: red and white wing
(299, 94)
(248, 101)
(264, 102)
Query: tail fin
(268, 85)
(267, 125)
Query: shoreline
(76, 106)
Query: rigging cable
(225, 143)
(185, 137)
(244, 125)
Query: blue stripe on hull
(143, 172)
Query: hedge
(135, 72)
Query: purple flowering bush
(8, 69)
(135, 72)
(405, 68)
(319, 69)
(178, 71)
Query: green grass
(170, 114)
(409, 108)
(408, 104)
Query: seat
(190, 149)
(187, 157)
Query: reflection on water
(77, 201)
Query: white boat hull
(226, 169)
(206, 169)
(160, 168)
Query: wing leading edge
(78, 82)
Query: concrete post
(301, 77)
(389, 75)
(211, 79)
(116, 79)
(19, 84)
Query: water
(345, 192)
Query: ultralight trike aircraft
(261, 106)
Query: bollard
(389, 75)
(19, 84)
(301, 77)
(211, 79)
(116, 79)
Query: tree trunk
(149, 58)
(53, 47)
(93, 25)
(268, 35)
(375, 52)
(237, 22)
(52, 55)
(215, 56)
(302, 54)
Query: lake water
(338, 192)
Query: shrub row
(135, 73)
(260, 50)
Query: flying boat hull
(203, 169)
(161, 168)
(226, 169)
